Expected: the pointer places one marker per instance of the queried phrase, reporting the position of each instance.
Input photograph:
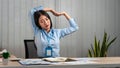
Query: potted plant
(100, 49)
(5, 56)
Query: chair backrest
(30, 49)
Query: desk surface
(81, 63)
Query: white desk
(82, 63)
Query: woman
(45, 36)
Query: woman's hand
(52, 11)
(66, 15)
(57, 13)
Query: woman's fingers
(56, 13)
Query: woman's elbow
(76, 28)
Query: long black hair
(37, 15)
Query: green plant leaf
(96, 49)
(111, 42)
(103, 47)
(90, 53)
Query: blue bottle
(48, 51)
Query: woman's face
(44, 22)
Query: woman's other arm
(73, 26)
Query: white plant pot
(5, 61)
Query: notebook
(59, 59)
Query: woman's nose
(46, 22)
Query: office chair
(30, 49)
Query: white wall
(92, 16)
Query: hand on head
(57, 13)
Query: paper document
(33, 61)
